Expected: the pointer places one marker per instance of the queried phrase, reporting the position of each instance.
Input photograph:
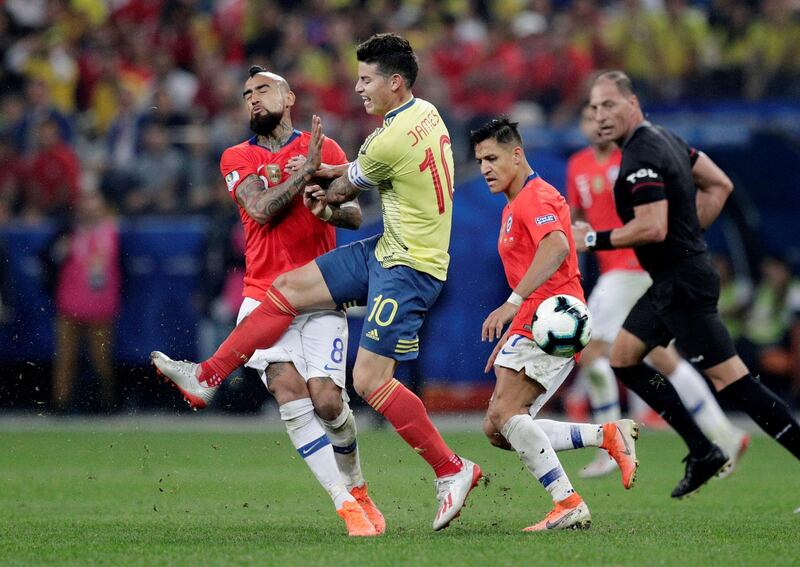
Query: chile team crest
(509, 222)
(273, 173)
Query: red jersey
(298, 236)
(590, 189)
(534, 213)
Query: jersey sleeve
(332, 153)
(372, 166)
(541, 218)
(643, 179)
(235, 166)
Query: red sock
(408, 416)
(265, 325)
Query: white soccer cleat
(602, 465)
(734, 451)
(569, 514)
(452, 492)
(183, 375)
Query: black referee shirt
(656, 165)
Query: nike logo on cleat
(552, 525)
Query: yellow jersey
(409, 160)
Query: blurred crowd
(137, 98)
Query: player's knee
(621, 357)
(495, 438)
(361, 382)
(328, 403)
(497, 415)
(366, 380)
(289, 286)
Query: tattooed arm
(346, 215)
(264, 205)
(341, 190)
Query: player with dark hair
(665, 195)
(399, 273)
(538, 255)
(305, 369)
(591, 173)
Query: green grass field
(135, 498)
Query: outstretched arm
(713, 189)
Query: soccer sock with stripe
(565, 436)
(260, 329)
(407, 414)
(313, 445)
(765, 408)
(701, 403)
(342, 433)
(662, 397)
(537, 454)
(603, 391)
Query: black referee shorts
(683, 305)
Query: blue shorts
(397, 298)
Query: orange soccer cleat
(370, 509)
(358, 525)
(572, 513)
(619, 439)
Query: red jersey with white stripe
(590, 189)
(296, 236)
(534, 213)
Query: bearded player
(591, 173)
(539, 259)
(305, 369)
(398, 274)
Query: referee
(666, 194)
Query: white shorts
(547, 370)
(316, 343)
(612, 298)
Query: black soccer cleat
(699, 471)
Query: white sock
(565, 436)
(342, 433)
(603, 391)
(309, 439)
(701, 403)
(536, 453)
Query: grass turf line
(132, 498)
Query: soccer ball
(562, 325)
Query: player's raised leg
(302, 288)
(618, 438)
(508, 414)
